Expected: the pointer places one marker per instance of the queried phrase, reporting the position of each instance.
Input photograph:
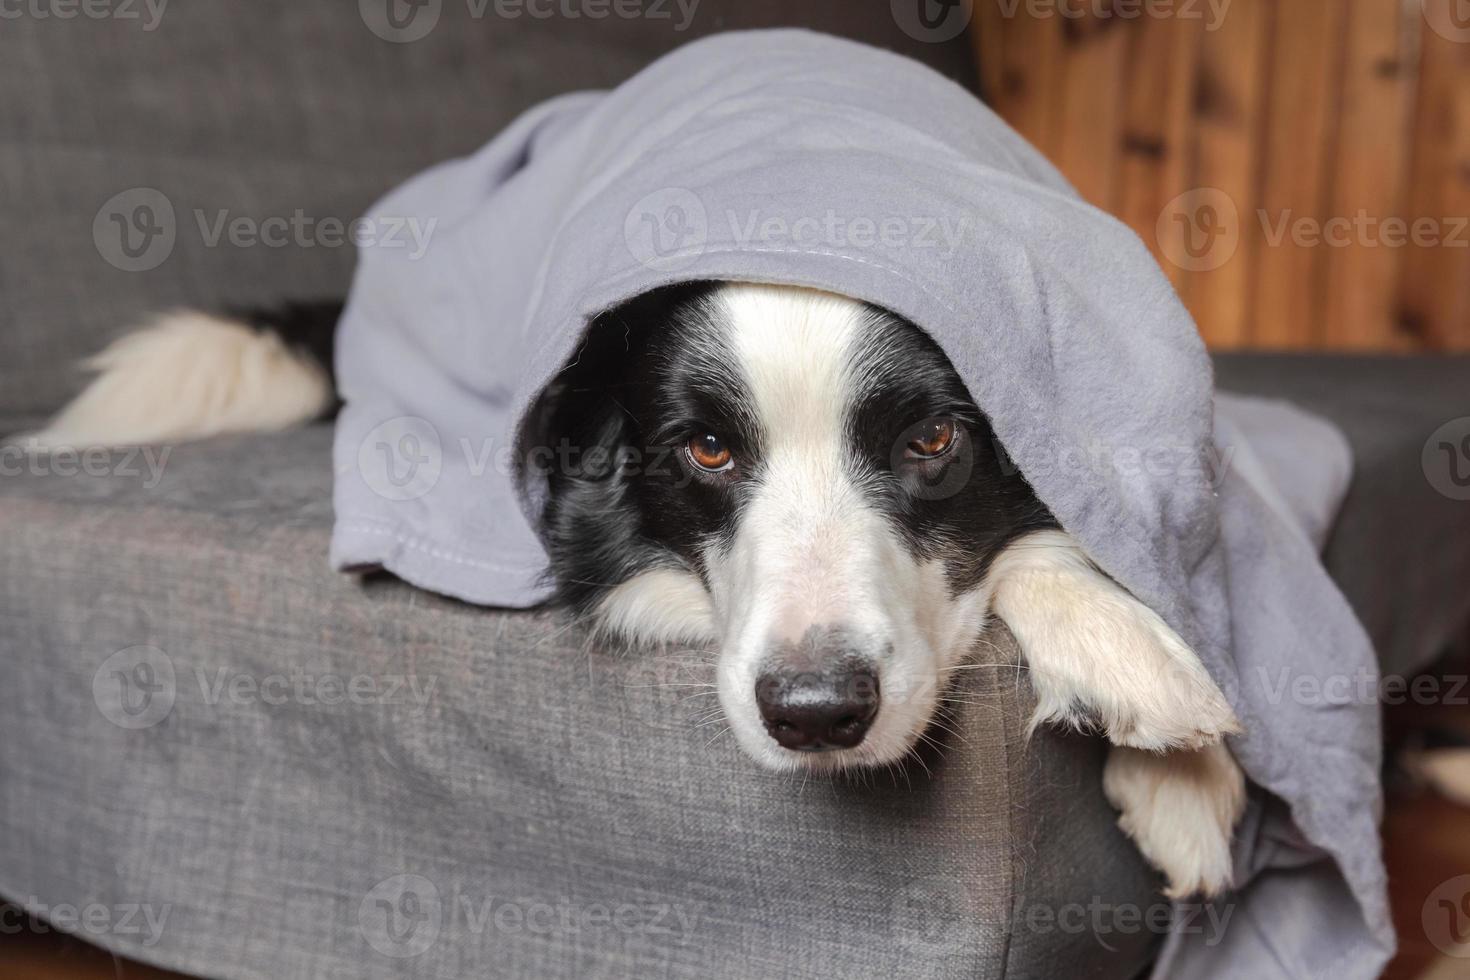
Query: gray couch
(246, 765)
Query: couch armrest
(303, 750)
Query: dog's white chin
(875, 751)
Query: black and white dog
(838, 520)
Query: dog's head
(798, 477)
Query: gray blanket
(795, 158)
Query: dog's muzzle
(813, 701)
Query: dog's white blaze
(810, 549)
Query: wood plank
(1085, 130)
(1379, 85)
(1229, 122)
(1024, 58)
(1303, 90)
(1435, 287)
(1156, 145)
(987, 37)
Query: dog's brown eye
(932, 438)
(708, 453)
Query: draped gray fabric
(793, 157)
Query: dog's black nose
(817, 711)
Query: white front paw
(1176, 705)
(1180, 809)
(1099, 658)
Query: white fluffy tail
(190, 375)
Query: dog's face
(799, 478)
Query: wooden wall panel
(1341, 113)
(1227, 128)
(1360, 304)
(1303, 87)
(1435, 289)
(1157, 152)
(1022, 65)
(1085, 137)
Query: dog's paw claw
(1195, 722)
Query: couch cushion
(286, 111)
(1400, 548)
(316, 776)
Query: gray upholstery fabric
(1400, 549)
(526, 771)
(259, 110)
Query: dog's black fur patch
(623, 497)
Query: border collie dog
(823, 502)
